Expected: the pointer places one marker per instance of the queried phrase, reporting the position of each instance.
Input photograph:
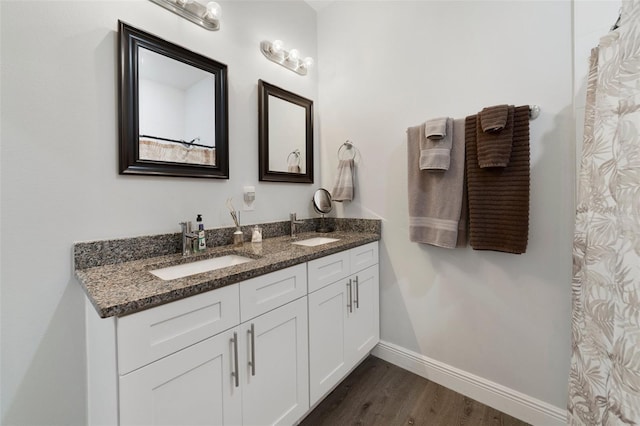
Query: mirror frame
(130, 163)
(264, 91)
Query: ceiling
(319, 4)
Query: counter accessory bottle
(202, 243)
(256, 236)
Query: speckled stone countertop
(121, 288)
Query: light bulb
(214, 11)
(276, 46)
(294, 55)
(307, 62)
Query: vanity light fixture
(205, 13)
(275, 52)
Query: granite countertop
(127, 287)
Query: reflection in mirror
(176, 111)
(285, 135)
(173, 109)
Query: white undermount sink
(187, 269)
(315, 241)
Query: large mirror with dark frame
(173, 109)
(285, 123)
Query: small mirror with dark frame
(173, 109)
(285, 122)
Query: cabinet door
(194, 386)
(275, 388)
(328, 315)
(363, 328)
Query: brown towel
(499, 197)
(494, 147)
(436, 200)
(494, 119)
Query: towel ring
(345, 148)
(296, 154)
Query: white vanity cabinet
(343, 315)
(250, 353)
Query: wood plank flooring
(380, 393)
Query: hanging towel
(344, 188)
(494, 146)
(293, 169)
(494, 119)
(436, 199)
(435, 147)
(436, 128)
(499, 197)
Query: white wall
(157, 105)
(60, 179)
(385, 66)
(200, 108)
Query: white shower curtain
(604, 382)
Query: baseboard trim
(500, 397)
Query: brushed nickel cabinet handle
(235, 374)
(357, 293)
(350, 304)
(252, 363)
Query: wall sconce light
(274, 51)
(202, 12)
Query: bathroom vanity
(257, 343)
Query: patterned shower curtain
(604, 382)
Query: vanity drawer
(364, 256)
(267, 292)
(328, 269)
(152, 334)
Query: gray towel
(344, 188)
(293, 169)
(435, 147)
(436, 214)
(436, 128)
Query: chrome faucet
(294, 222)
(188, 237)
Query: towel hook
(346, 147)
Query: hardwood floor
(380, 393)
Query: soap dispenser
(202, 243)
